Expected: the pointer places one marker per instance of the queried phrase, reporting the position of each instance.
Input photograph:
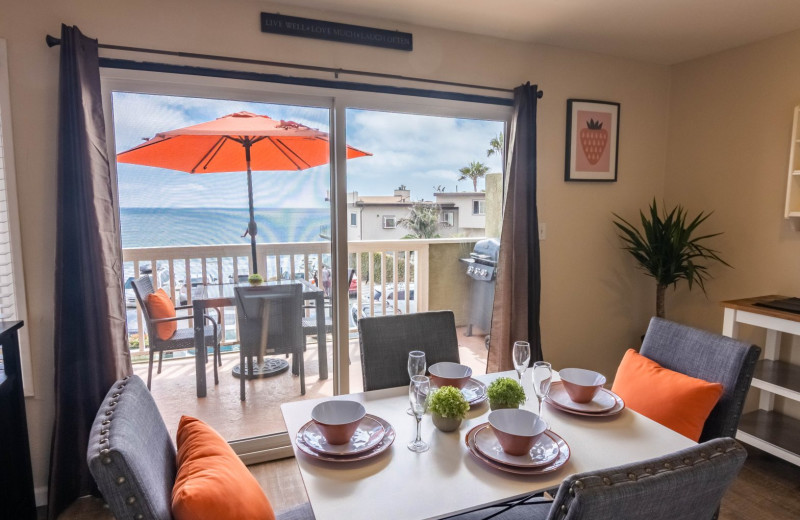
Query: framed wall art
(592, 140)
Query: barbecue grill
(481, 269)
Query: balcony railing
(401, 267)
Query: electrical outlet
(542, 231)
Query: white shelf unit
(766, 428)
(792, 209)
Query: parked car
(377, 307)
(196, 282)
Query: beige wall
(594, 304)
(729, 133)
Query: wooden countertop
(748, 305)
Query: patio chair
(270, 323)
(712, 357)
(182, 339)
(688, 484)
(385, 342)
(310, 322)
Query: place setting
(581, 392)
(459, 376)
(342, 431)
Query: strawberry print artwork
(594, 139)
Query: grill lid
(486, 251)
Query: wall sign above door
(337, 32)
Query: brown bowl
(581, 385)
(517, 430)
(338, 419)
(449, 374)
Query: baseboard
(40, 493)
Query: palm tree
(422, 221)
(474, 171)
(496, 146)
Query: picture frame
(592, 141)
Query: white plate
(474, 392)
(368, 434)
(383, 445)
(543, 452)
(563, 455)
(603, 401)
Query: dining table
(447, 479)
(211, 296)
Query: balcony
(430, 269)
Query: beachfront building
(461, 214)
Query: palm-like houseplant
(668, 250)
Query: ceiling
(657, 31)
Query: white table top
(400, 484)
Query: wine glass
(416, 367)
(522, 357)
(418, 397)
(542, 377)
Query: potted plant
(505, 392)
(668, 249)
(255, 279)
(448, 408)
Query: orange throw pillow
(212, 483)
(160, 306)
(679, 402)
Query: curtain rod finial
(52, 41)
(539, 94)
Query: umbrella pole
(252, 229)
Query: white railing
(400, 266)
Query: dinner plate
(383, 445)
(474, 392)
(603, 401)
(368, 434)
(618, 407)
(543, 452)
(563, 455)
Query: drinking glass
(416, 367)
(522, 357)
(542, 376)
(418, 397)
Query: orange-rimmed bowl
(338, 419)
(581, 385)
(447, 373)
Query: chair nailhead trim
(572, 491)
(131, 500)
(606, 481)
(632, 476)
(104, 431)
(668, 465)
(578, 484)
(564, 508)
(112, 403)
(687, 461)
(106, 422)
(103, 440)
(120, 480)
(109, 412)
(104, 451)
(107, 460)
(139, 516)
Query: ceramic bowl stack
(581, 392)
(517, 441)
(341, 431)
(460, 376)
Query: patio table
(209, 296)
(447, 479)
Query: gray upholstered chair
(385, 342)
(132, 458)
(686, 485)
(270, 322)
(712, 357)
(182, 338)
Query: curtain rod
(52, 41)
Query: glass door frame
(274, 446)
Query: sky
(421, 152)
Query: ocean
(160, 227)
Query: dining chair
(688, 484)
(385, 342)
(708, 356)
(270, 322)
(182, 338)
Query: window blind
(8, 303)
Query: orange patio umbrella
(237, 142)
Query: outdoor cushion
(677, 401)
(212, 483)
(160, 306)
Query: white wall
(594, 303)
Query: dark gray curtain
(515, 314)
(90, 344)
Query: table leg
(322, 337)
(200, 353)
